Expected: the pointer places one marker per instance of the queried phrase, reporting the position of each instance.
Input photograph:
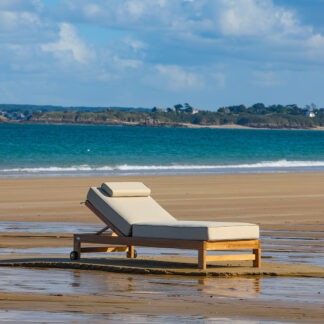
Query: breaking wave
(125, 167)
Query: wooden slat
(131, 252)
(104, 249)
(148, 242)
(233, 257)
(257, 261)
(202, 258)
(232, 245)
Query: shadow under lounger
(136, 219)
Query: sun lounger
(136, 219)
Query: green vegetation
(257, 116)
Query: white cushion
(125, 212)
(197, 231)
(126, 189)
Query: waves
(265, 164)
(142, 169)
(59, 169)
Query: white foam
(265, 164)
(59, 169)
(126, 167)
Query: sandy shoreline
(163, 125)
(292, 203)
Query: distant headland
(238, 116)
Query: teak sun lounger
(135, 219)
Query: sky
(145, 53)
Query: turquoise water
(52, 150)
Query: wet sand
(184, 300)
(288, 207)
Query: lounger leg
(257, 261)
(77, 245)
(202, 259)
(130, 253)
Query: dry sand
(274, 201)
(270, 200)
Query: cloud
(11, 19)
(126, 63)
(134, 44)
(207, 18)
(255, 17)
(316, 41)
(69, 43)
(207, 24)
(115, 13)
(21, 22)
(21, 5)
(173, 47)
(174, 78)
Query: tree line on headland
(257, 116)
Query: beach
(216, 107)
(288, 205)
(270, 200)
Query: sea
(30, 150)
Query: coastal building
(310, 114)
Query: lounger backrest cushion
(124, 212)
(126, 189)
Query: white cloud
(21, 22)
(134, 44)
(177, 46)
(139, 8)
(255, 17)
(204, 22)
(316, 41)
(139, 14)
(10, 20)
(69, 42)
(175, 78)
(221, 17)
(126, 63)
(91, 10)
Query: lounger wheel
(135, 254)
(74, 255)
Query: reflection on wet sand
(52, 281)
(48, 317)
(105, 285)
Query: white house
(310, 114)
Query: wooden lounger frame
(120, 242)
